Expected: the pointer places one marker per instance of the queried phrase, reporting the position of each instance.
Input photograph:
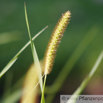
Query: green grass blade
(86, 80)
(8, 66)
(35, 56)
(37, 65)
(12, 61)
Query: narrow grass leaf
(12, 61)
(35, 56)
(86, 80)
(37, 65)
(8, 66)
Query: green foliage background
(84, 15)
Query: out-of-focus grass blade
(43, 98)
(29, 93)
(8, 37)
(12, 61)
(13, 98)
(86, 80)
(35, 56)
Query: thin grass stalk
(87, 79)
(42, 98)
(33, 49)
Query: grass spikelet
(55, 40)
(52, 47)
(30, 87)
(29, 83)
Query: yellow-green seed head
(54, 41)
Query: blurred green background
(85, 16)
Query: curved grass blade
(86, 80)
(33, 49)
(12, 61)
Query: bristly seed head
(54, 41)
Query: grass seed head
(55, 40)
